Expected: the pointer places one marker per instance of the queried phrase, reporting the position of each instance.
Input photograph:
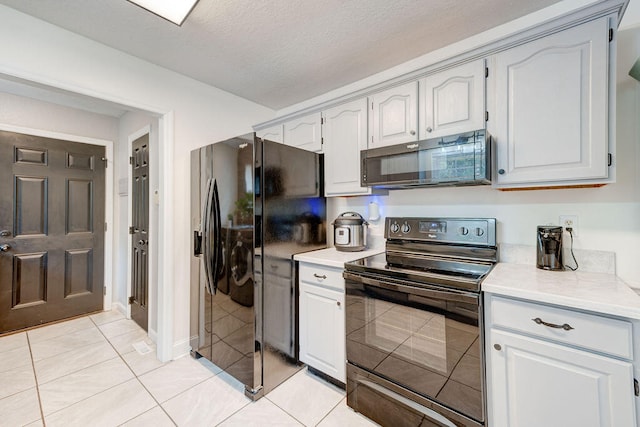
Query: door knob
(4, 248)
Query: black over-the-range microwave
(462, 159)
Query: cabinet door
(452, 101)
(279, 321)
(273, 133)
(394, 116)
(345, 134)
(534, 383)
(551, 107)
(322, 331)
(304, 133)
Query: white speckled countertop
(333, 258)
(597, 292)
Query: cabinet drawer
(277, 267)
(589, 331)
(321, 275)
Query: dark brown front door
(52, 198)
(140, 232)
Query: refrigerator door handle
(217, 238)
(206, 236)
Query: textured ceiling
(280, 52)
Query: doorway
(139, 231)
(52, 229)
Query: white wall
(609, 217)
(29, 113)
(40, 52)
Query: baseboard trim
(119, 308)
(181, 348)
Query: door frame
(151, 306)
(166, 346)
(108, 207)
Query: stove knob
(395, 227)
(463, 231)
(406, 228)
(479, 231)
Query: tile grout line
(136, 377)
(35, 377)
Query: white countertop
(597, 292)
(333, 258)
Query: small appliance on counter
(549, 248)
(350, 232)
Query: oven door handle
(427, 292)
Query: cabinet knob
(4, 248)
(429, 129)
(318, 276)
(5, 233)
(501, 171)
(338, 303)
(412, 132)
(497, 347)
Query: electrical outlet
(570, 221)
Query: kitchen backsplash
(589, 261)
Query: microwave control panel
(474, 231)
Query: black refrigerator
(254, 204)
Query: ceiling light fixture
(175, 11)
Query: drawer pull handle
(317, 276)
(566, 326)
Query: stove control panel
(473, 231)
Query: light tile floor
(86, 372)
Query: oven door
(424, 343)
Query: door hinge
(131, 160)
(104, 290)
(610, 34)
(636, 387)
(486, 116)
(321, 120)
(131, 299)
(609, 159)
(106, 163)
(372, 105)
(105, 227)
(486, 71)
(132, 230)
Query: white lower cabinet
(322, 321)
(536, 381)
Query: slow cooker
(350, 232)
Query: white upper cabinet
(551, 108)
(452, 101)
(273, 133)
(345, 134)
(304, 132)
(394, 116)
